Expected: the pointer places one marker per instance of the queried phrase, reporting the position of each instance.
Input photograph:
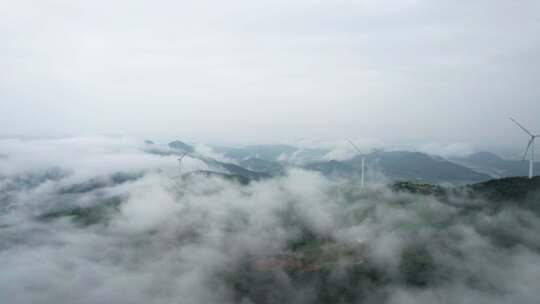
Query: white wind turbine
(180, 162)
(363, 156)
(530, 147)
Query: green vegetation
(517, 189)
(419, 188)
(85, 216)
(417, 266)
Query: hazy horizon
(399, 71)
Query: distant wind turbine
(180, 162)
(530, 147)
(363, 156)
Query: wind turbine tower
(180, 162)
(530, 147)
(363, 156)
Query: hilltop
(492, 194)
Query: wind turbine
(530, 147)
(180, 162)
(363, 156)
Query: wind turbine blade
(354, 146)
(528, 147)
(522, 127)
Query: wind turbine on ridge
(180, 162)
(363, 156)
(530, 147)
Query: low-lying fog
(164, 239)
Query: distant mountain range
(223, 168)
(273, 153)
(263, 161)
(403, 165)
(495, 166)
(412, 172)
(264, 152)
(181, 146)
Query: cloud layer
(172, 240)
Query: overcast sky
(398, 71)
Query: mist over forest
(99, 219)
